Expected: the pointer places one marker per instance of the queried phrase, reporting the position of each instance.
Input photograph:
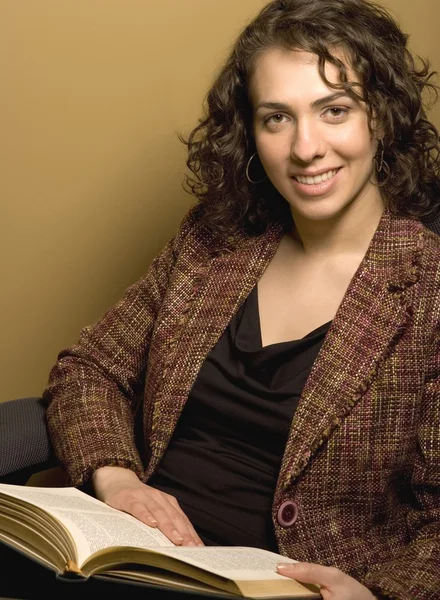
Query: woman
(287, 336)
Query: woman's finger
(169, 519)
(189, 525)
(164, 523)
(333, 583)
(123, 490)
(311, 573)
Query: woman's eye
(275, 119)
(337, 112)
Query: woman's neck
(347, 233)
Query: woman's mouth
(316, 179)
(317, 185)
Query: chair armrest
(25, 446)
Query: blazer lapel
(227, 280)
(372, 316)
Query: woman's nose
(307, 143)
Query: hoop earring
(378, 158)
(247, 171)
(381, 164)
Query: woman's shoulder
(195, 234)
(413, 232)
(430, 252)
(431, 234)
(192, 234)
(431, 241)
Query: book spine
(72, 569)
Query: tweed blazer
(362, 459)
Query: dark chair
(25, 447)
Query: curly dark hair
(391, 86)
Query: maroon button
(287, 513)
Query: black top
(223, 460)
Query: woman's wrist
(107, 476)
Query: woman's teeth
(317, 178)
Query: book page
(25, 549)
(232, 562)
(173, 580)
(92, 524)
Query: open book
(78, 536)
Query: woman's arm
(414, 573)
(93, 388)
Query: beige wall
(93, 93)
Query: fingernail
(191, 543)
(176, 535)
(285, 567)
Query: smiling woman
(320, 147)
(287, 338)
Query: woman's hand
(335, 585)
(122, 489)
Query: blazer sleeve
(414, 573)
(93, 389)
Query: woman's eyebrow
(329, 98)
(316, 104)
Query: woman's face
(313, 141)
